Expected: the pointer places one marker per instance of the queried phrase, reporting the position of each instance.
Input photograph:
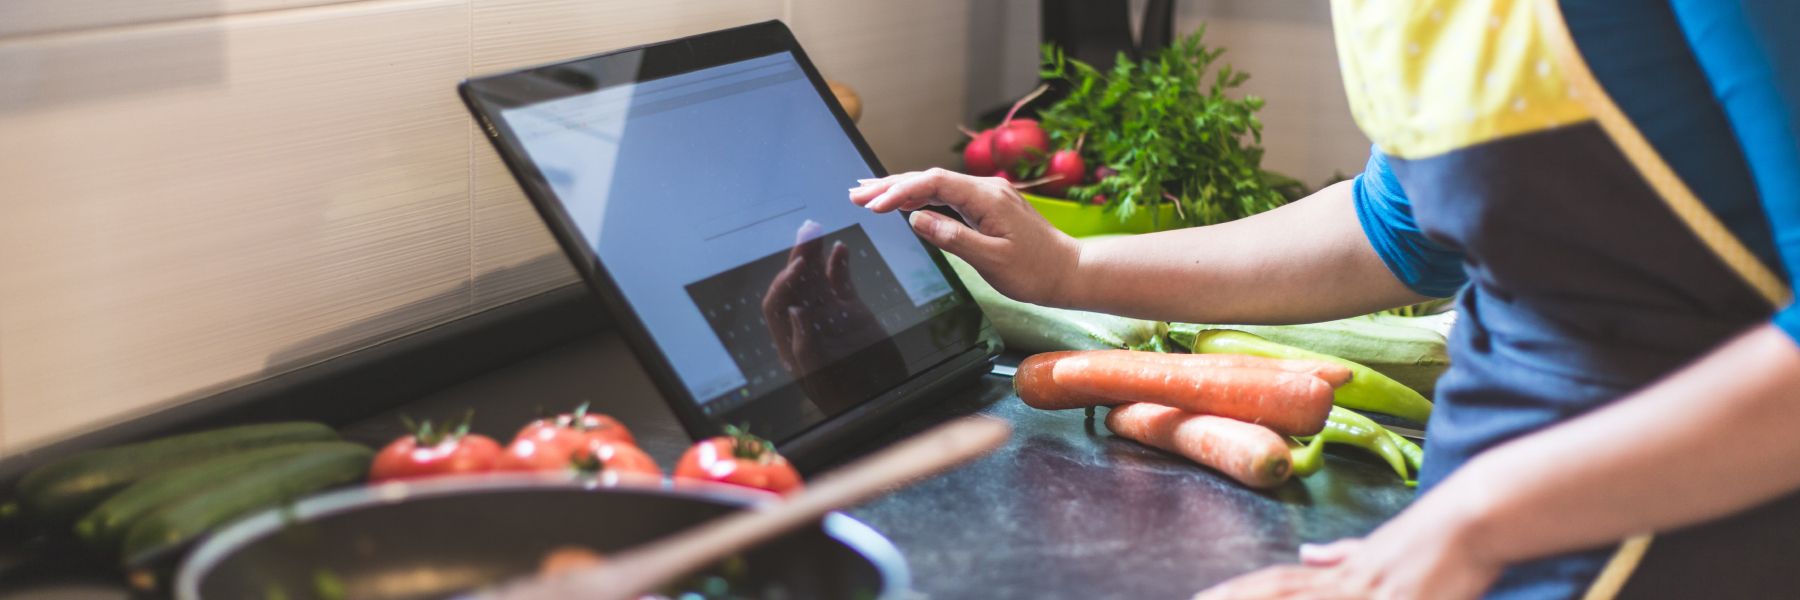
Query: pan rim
(858, 536)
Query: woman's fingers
(868, 189)
(1019, 252)
(974, 197)
(1284, 582)
(1325, 555)
(956, 238)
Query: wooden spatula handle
(635, 572)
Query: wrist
(1065, 289)
(1471, 513)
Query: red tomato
(551, 444)
(526, 454)
(603, 457)
(741, 459)
(590, 457)
(576, 428)
(424, 454)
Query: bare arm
(1714, 438)
(1307, 261)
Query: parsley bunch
(1170, 133)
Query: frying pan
(438, 538)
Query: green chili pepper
(1307, 458)
(1367, 390)
(1344, 426)
(1415, 456)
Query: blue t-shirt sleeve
(1750, 51)
(1425, 266)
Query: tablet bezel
(487, 95)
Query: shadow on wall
(548, 267)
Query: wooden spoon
(633, 573)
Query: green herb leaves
(1169, 130)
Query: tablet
(699, 187)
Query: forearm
(1307, 261)
(1712, 439)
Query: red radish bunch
(1016, 143)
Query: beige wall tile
(303, 190)
(29, 17)
(907, 60)
(514, 254)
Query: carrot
(1334, 374)
(1034, 385)
(1251, 454)
(1289, 403)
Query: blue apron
(1588, 277)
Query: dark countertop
(1064, 510)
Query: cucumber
(1031, 328)
(103, 527)
(63, 490)
(270, 485)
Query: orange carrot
(1033, 384)
(1251, 454)
(1289, 403)
(1334, 374)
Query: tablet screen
(715, 199)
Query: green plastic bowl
(1082, 220)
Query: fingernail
(866, 182)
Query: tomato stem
(747, 446)
(586, 463)
(424, 435)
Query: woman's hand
(1430, 551)
(1013, 247)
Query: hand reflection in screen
(816, 318)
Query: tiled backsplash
(197, 193)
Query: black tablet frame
(487, 95)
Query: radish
(1102, 172)
(1018, 139)
(1065, 170)
(978, 156)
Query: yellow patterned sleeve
(1427, 77)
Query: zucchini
(1410, 350)
(1030, 328)
(274, 483)
(63, 490)
(103, 527)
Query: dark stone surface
(1064, 510)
